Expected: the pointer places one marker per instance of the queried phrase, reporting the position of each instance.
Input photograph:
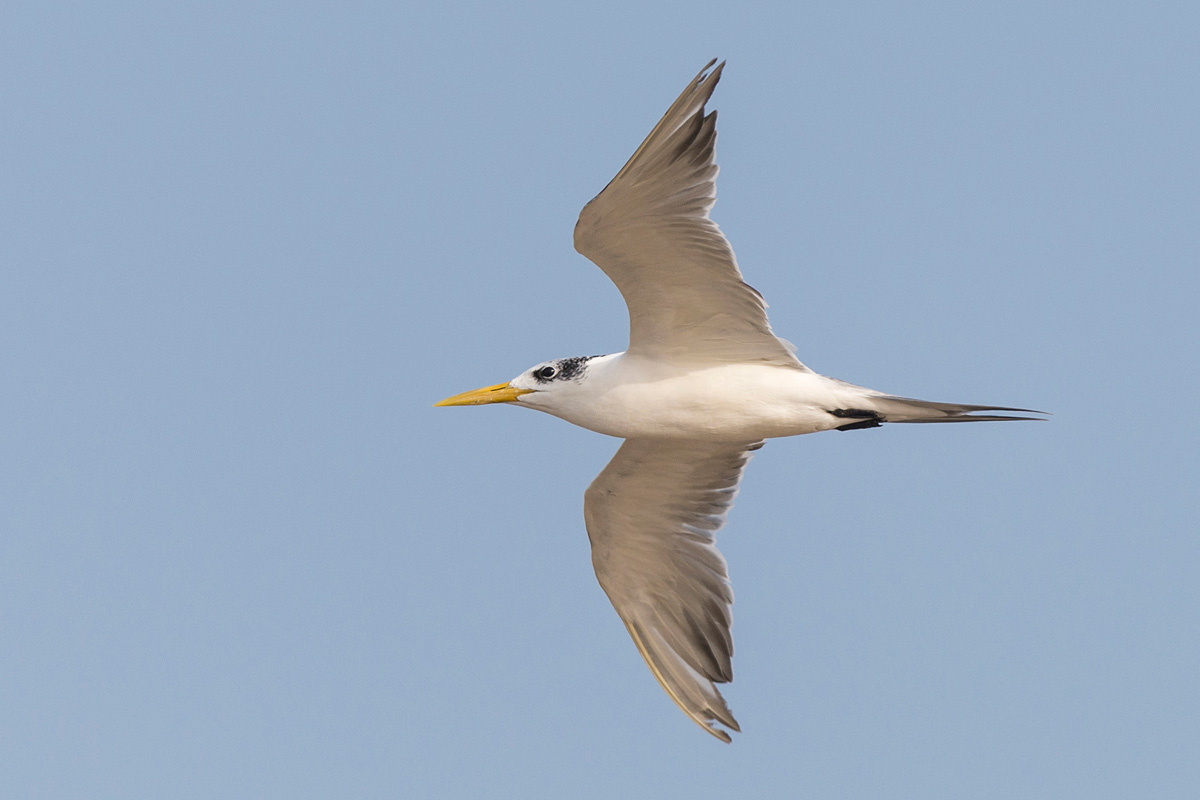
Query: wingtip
(708, 718)
(711, 724)
(720, 734)
(710, 72)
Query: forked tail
(906, 409)
(882, 408)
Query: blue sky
(245, 247)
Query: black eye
(545, 373)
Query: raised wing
(652, 515)
(650, 232)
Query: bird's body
(703, 383)
(631, 397)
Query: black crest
(564, 369)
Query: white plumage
(703, 383)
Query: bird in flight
(703, 383)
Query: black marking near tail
(857, 426)
(864, 418)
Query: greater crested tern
(703, 383)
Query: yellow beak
(500, 393)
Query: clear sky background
(245, 247)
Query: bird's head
(544, 386)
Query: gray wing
(649, 230)
(652, 515)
